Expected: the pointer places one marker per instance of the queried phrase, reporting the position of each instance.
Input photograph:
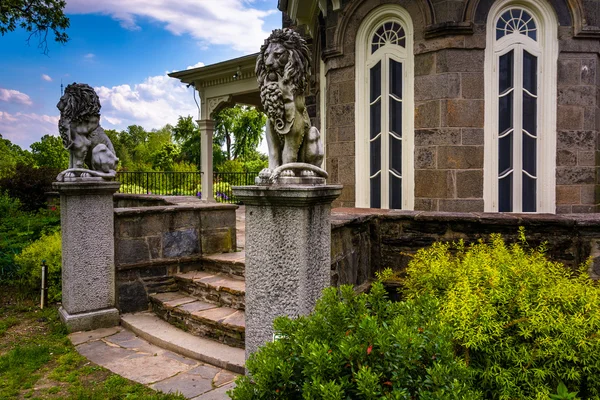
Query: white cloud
(46, 78)
(225, 22)
(197, 65)
(89, 56)
(25, 128)
(157, 101)
(14, 96)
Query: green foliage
(17, 230)
(187, 135)
(37, 17)
(11, 156)
(29, 261)
(164, 159)
(359, 347)
(239, 129)
(50, 152)
(523, 323)
(562, 393)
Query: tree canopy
(37, 17)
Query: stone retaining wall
(153, 243)
(367, 240)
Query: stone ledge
(172, 208)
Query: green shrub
(359, 347)
(29, 262)
(522, 323)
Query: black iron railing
(184, 183)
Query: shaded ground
(38, 361)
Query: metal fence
(184, 183)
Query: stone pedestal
(88, 268)
(288, 252)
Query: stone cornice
(217, 74)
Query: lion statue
(282, 70)
(82, 135)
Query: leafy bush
(17, 230)
(522, 323)
(29, 262)
(359, 346)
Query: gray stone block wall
(450, 41)
(153, 243)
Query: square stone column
(207, 129)
(288, 253)
(88, 267)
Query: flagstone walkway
(125, 354)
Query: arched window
(520, 138)
(384, 110)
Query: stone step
(224, 324)
(217, 288)
(160, 333)
(233, 264)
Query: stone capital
(79, 188)
(287, 195)
(206, 125)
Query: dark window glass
(529, 194)
(506, 71)
(375, 156)
(529, 114)
(376, 191)
(396, 155)
(505, 113)
(530, 72)
(389, 26)
(532, 34)
(375, 122)
(374, 48)
(396, 117)
(529, 155)
(396, 78)
(395, 192)
(375, 81)
(505, 194)
(505, 154)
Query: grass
(38, 361)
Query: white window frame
(546, 51)
(365, 60)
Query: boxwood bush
(485, 321)
(359, 347)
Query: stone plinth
(288, 253)
(88, 270)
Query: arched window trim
(364, 59)
(546, 48)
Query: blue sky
(124, 49)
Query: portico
(219, 86)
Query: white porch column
(207, 129)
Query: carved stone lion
(283, 69)
(79, 127)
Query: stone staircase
(201, 315)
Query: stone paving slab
(124, 353)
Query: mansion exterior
(445, 105)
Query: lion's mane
(297, 69)
(78, 103)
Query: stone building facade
(457, 105)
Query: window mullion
(518, 124)
(385, 132)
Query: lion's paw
(288, 172)
(307, 173)
(265, 173)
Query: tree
(50, 152)
(187, 135)
(12, 155)
(38, 17)
(239, 129)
